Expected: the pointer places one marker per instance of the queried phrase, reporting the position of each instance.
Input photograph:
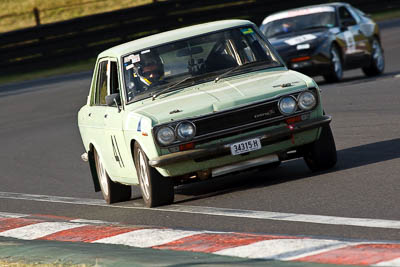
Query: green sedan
(197, 103)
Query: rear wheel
(156, 189)
(336, 72)
(321, 155)
(377, 64)
(112, 192)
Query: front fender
(138, 128)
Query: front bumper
(269, 137)
(310, 67)
(317, 64)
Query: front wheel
(321, 155)
(156, 189)
(377, 64)
(336, 71)
(112, 192)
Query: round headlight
(287, 105)
(185, 131)
(165, 135)
(307, 100)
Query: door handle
(90, 114)
(105, 116)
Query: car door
(353, 37)
(366, 29)
(92, 116)
(118, 152)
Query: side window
(245, 52)
(101, 84)
(259, 47)
(346, 18)
(114, 85)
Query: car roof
(171, 36)
(334, 4)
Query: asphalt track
(41, 147)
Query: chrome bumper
(269, 137)
(243, 165)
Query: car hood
(227, 93)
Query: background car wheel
(112, 192)
(156, 189)
(336, 73)
(377, 64)
(321, 155)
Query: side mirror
(113, 99)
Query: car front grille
(236, 119)
(239, 120)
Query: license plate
(245, 146)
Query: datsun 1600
(197, 103)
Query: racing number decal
(117, 154)
(350, 42)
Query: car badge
(265, 114)
(175, 111)
(284, 85)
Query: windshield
(298, 23)
(202, 58)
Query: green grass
(391, 14)
(22, 264)
(18, 14)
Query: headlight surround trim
(302, 97)
(293, 104)
(172, 134)
(180, 135)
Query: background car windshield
(206, 56)
(298, 23)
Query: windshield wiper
(250, 64)
(227, 72)
(315, 27)
(153, 97)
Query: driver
(287, 27)
(152, 68)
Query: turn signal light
(293, 120)
(186, 146)
(298, 59)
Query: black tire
(156, 189)
(321, 155)
(336, 69)
(377, 65)
(112, 192)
